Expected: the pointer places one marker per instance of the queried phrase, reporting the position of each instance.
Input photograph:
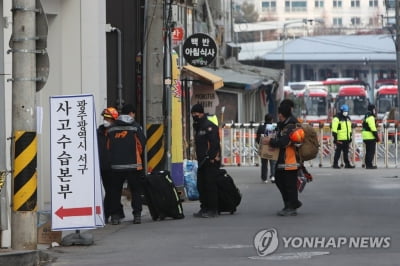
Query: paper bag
(267, 152)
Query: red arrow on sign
(84, 211)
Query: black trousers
(342, 147)
(370, 147)
(286, 181)
(207, 186)
(264, 168)
(106, 178)
(135, 184)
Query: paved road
(347, 208)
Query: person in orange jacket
(287, 164)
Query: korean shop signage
(199, 50)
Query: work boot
(115, 220)
(200, 214)
(212, 214)
(287, 212)
(298, 204)
(137, 219)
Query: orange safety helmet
(297, 135)
(110, 112)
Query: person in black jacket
(287, 164)
(109, 115)
(208, 153)
(126, 146)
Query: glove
(376, 136)
(334, 138)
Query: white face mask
(345, 113)
(106, 123)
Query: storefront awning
(198, 73)
(236, 79)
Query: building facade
(297, 18)
(76, 45)
(349, 14)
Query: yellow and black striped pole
(24, 199)
(155, 147)
(25, 174)
(24, 181)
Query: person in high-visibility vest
(213, 119)
(370, 136)
(342, 136)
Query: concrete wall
(77, 54)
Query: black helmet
(371, 107)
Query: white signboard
(207, 97)
(76, 198)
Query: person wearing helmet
(109, 115)
(126, 143)
(370, 136)
(287, 164)
(342, 136)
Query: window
(337, 22)
(319, 3)
(390, 3)
(373, 3)
(374, 21)
(355, 21)
(355, 3)
(337, 3)
(268, 6)
(295, 6)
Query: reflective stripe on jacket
(369, 134)
(342, 127)
(287, 158)
(126, 143)
(290, 159)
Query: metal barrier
(240, 149)
(238, 144)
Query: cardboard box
(44, 233)
(267, 152)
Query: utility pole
(24, 181)
(168, 26)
